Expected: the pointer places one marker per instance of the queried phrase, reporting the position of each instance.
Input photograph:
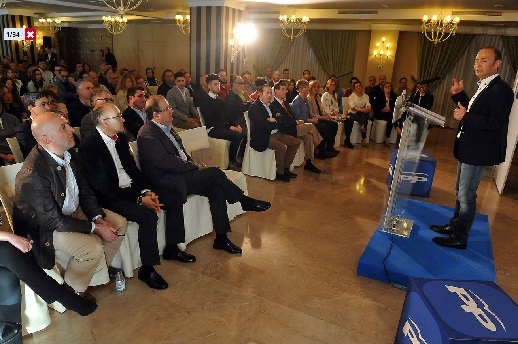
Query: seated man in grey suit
(186, 116)
(55, 208)
(174, 176)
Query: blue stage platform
(417, 256)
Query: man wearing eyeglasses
(186, 116)
(175, 176)
(135, 115)
(82, 104)
(120, 186)
(55, 208)
(88, 124)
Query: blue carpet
(419, 257)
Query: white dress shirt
(167, 130)
(141, 113)
(271, 116)
(124, 178)
(482, 84)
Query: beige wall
(160, 46)
(406, 58)
(361, 56)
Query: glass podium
(413, 137)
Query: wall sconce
(382, 53)
(244, 33)
(183, 23)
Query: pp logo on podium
(23, 34)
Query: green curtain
(438, 60)
(333, 49)
(511, 51)
(274, 48)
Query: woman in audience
(292, 91)
(315, 101)
(16, 263)
(383, 108)
(329, 101)
(125, 82)
(36, 83)
(12, 102)
(86, 68)
(359, 109)
(9, 72)
(150, 78)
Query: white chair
(219, 148)
(134, 151)
(15, 149)
(195, 139)
(356, 135)
(153, 90)
(339, 138)
(258, 164)
(378, 132)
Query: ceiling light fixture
(3, 3)
(438, 30)
(293, 26)
(51, 25)
(123, 5)
(115, 24)
(183, 23)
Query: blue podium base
(417, 256)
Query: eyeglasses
(240, 83)
(114, 117)
(166, 109)
(44, 104)
(141, 95)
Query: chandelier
(183, 23)
(438, 30)
(244, 33)
(123, 5)
(115, 24)
(382, 53)
(50, 25)
(293, 26)
(3, 3)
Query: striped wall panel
(14, 48)
(211, 29)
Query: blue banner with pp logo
(417, 177)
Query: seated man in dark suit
(213, 111)
(175, 176)
(35, 103)
(264, 133)
(56, 209)
(66, 90)
(235, 105)
(135, 115)
(167, 82)
(82, 105)
(120, 186)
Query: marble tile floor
(296, 281)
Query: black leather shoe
(153, 280)
(282, 177)
(334, 150)
(178, 255)
(349, 145)
(321, 156)
(289, 174)
(451, 241)
(227, 246)
(10, 332)
(442, 229)
(312, 168)
(331, 154)
(256, 205)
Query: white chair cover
(378, 132)
(15, 149)
(258, 164)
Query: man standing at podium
(481, 141)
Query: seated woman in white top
(125, 82)
(329, 101)
(359, 109)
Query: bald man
(56, 209)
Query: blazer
(76, 111)
(160, 161)
(101, 172)
(182, 109)
(260, 127)
(214, 113)
(234, 108)
(26, 140)
(66, 91)
(482, 133)
(38, 199)
(286, 120)
(132, 121)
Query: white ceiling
(476, 15)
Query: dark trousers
(359, 117)
(385, 116)
(210, 182)
(327, 130)
(147, 220)
(237, 141)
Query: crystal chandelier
(50, 25)
(183, 23)
(438, 30)
(382, 53)
(244, 33)
(293, 26)
(123, 5)
(115, 24)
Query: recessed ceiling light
(498, 6)
(385, 6)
